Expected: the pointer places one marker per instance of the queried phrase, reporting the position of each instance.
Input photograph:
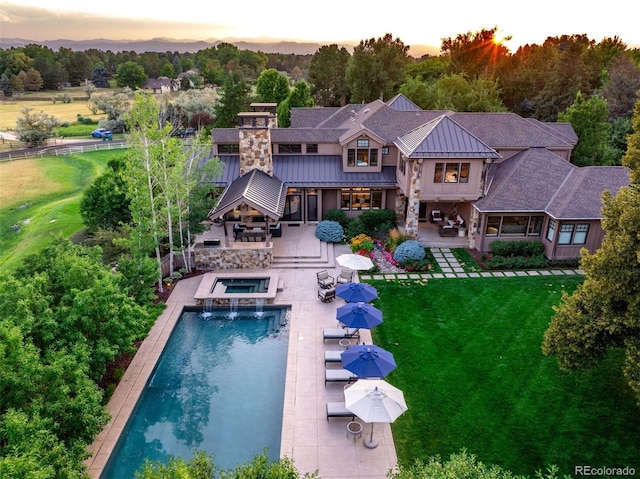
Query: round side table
(344, 344)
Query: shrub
(361, 242)
(416, 265)
(354, 228)
(408, 250)
(516, 248)
(338, 216)
(516, 262)
(329, 231)
(373, 219)
(396, 237)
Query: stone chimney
(255, 137)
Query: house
(161, 85)
(508, 177)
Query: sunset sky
(331, 21)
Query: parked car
(184, 133)
(101, 133)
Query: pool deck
(307, 437)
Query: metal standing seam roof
(312, 171)
(443, 138)
(257, 189)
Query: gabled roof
(540, 181)
(255, 189)
(402, 103)
(443, 138)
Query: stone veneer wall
(209, 259)
(413, 201)
(255, 150)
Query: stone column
(413, 201)
(401, 203)
(255, 150)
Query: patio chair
(325, 280)
(327, 295)
(338, 409)
(436, 216)
(340, 333)
(338, 376)
(332, 357)
(345, 276)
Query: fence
(63, 151)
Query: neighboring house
(509, 177)
(189, 75)
(161, 85)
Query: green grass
(45, 203)
(471, 367)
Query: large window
(451, 173)
(513, 225)
(362, 155)
(573, 233)
(551, 230)
(360, 199)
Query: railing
(63, 150)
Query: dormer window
(362, 155)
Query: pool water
(244, 285)
(218, 387)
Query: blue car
(101, 133)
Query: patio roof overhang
(254, 190)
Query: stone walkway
(451, 268)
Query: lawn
(471, 367)
(42, 196)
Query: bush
(374, 219)
(416, 266)
(395, 239)
(329, 231)
(338, 216)
(516, 262)
(361, 242)
(409, 250)
(354, 228)
(516, 248)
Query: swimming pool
(218, 386)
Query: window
(551, 230)
(360, 199)
(362, 155)
(535, 226)
(514, 225)
(403, 164)
(493, 226)
(228, 148)
(312, 148)
(451, 173)
(573, 233)
(290, 148)
(385, 150)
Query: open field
(10, 110)
(473, 374)
(41, 198)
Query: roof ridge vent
(366, 111)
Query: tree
(234, 98)
(105, 204)
(376, 68)
(32, 80)
(475, 54)
(130, 74)
(300, 96)
(100, 77)
(35, 128)
(621, 87)
(603, 313)
(328, 75)
(272, 86)
(588, 117)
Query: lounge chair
(338, 375)
(332, 357)
(325, 281)
(345, 276)
(327, 295)
(340, 333)
(436, 216)
(338, 409)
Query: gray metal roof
(312, 171)
(443, 138)
(255, 189)
(402, 103)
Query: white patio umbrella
(354, 261)
(374, 400)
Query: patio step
(323, 260)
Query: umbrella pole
(370, 443)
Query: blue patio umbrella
(368, 361)
(359, 315)
(356, 292)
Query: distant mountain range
(188, 46)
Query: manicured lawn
(43, 197)
(471, 367)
